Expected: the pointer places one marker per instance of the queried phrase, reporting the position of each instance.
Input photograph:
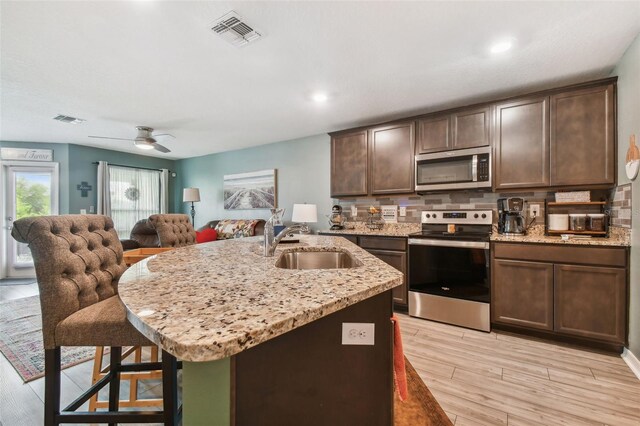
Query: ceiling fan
(144, 140)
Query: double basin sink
(299, 259)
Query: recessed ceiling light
(320, 97)
(502, 46)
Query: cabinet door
(583, 149)
(591, 302)
(521, 144)
(392, 159)
(471, 128)
(433, 134)
(349, 164)
(522, 294)
(397, 259)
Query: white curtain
(104, 197)
(135, 195)
(164, 191)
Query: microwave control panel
(483, 167)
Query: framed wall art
(253, 190)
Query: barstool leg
(51, 386)
(170, 389)
(114, 383)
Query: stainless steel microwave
(461, 169)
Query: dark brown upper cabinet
(467, 128)
(471, 128)
(583, 148)
(392, 159)
(521, 144)
(433, 134)
(349, 164)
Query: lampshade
(304, 213)
(190, 194)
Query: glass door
(29, 190)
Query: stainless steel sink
(316, 260)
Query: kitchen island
(263, 344)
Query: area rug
(21, 339)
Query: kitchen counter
(256, 340)
(618, 237)
(388, 230)
(210, 301)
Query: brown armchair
(143, 235)
(174, 230)
(78, 261)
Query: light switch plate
(83, 211)
(358, 333)
(91, 209)
(403, 211)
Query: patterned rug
(21, 339)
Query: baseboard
(632, 361)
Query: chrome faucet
(271, 241)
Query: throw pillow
(206, 235)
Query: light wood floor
(503, 379)
(478, 378)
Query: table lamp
(191, 195)
(304, 213)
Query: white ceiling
(123, 64)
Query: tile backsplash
(620, 206)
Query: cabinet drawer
(604, 256)
(383, 243)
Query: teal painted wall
(628, 72)
(60, 155)
(76, 165)
(83, 170)
(303, 169)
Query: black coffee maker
(511, 216)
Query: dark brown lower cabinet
(397, 259)
(548, 289)
(523, 294)
(393, 251)
(591, 302)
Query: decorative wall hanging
(254, 190)
(26, 154)
(132, 193)
(633, 159)
(84, 189)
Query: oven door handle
(448, 243)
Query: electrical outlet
(403, 211)
(358, 333)
(534, 210)
(354, 211)
(83, 211)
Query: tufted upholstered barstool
(174, 230)
(78, 262)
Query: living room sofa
(235, 228)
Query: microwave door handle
(474, 168)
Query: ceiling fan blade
(160, 148)
(164, 134)
(107, 137)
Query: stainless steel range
(449, 268)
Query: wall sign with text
(26, 154)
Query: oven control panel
(467, 217)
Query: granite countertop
(617, 237)
(210, 301)
(388, 230)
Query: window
(135, 194)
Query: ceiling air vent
(68, 119)
(235, 30)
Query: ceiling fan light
(143, 144)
